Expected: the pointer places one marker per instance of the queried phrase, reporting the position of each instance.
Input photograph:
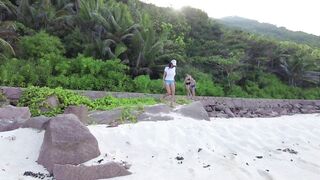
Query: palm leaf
(6, 46)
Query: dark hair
(170, 65)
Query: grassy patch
(34, 98)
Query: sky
(296, 15)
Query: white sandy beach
(279, 148)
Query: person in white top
(168, 78)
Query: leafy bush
(142, 84)
(10, 73)
(236, 91)
(313, 93)
(209, 88)
(253, 90)
(2, 97)
(156, 86)
(40, 44)
(33, 97)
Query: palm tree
(6, 28)
(148, 45)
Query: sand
(286, 147)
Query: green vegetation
(271, 30)
(124, 45)
(130, 114)
(35, 99)
(2, 97)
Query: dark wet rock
(13, 117)
(36, 122)
(200, 149)
(208, 108)
(228, 112)
(194, 110)
(206, 166)
(291, 151)
(80, 111)
(99, 161)
(67, 141)
(104, 171)
(259, 157)
(36, 175)
(179, 158)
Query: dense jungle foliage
(124, 45)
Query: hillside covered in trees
(124, 45)
(270, 30)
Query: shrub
(209, 88)
(33, 97)
(313, 93)
(40, 44)
(236, 91)
(253, 90)
(156, 86)
(142, 84)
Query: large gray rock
(194, 110)
(105, 117)
(80, 111)
(50, 103)
(12, 93)
(36, 122)
(13, 117)
(155, 113)
(70, 172)
(67, 141)
(157, 109)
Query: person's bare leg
(173, 91)
(168, 88)
(193, 90)
(188, 91)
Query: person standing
(190, 84)
(168, 78)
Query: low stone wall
(215, 106)
(241, 107)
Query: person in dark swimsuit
(190, 85)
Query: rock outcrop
(194, 110)
(13, 117)
(80, 111)
(67, 141)
(36, 122)
(252, 108)
(104, 171)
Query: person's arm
(164, 75)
